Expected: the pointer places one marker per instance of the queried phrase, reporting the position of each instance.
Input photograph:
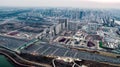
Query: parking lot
(11, 43)
(45, 49)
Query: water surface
(4, 62)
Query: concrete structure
(92, 27)
(64, 23)
(57, 28)
(72, 25)
(111, 42)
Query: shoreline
(10, 61)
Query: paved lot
(11, 43)
(44, 49)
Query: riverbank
(5, 62)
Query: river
(4, 62)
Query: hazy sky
(62, 3)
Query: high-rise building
(73, 26)
(52, 31)
(92, 27)
(57, 28)
(64, 23)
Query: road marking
(55, 51)
(75, 55)
(38, 48)
(65, 53)
(45, 50)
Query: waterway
(4, 62)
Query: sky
(62, 3)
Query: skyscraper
(64, 23)
(73, 26)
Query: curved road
(27, 61)
(53, 62)
(13, 59)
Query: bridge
(26, 45)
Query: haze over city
(59, 33)
(62, 3)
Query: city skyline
(59, 33)
(62, 3)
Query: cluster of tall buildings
(54, 30)
(93, 23)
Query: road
(52, 50)
(27, 61)
(13, 59)
(53, 62)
